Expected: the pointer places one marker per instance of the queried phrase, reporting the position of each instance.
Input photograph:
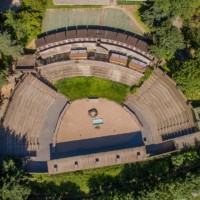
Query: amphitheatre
(56, 134)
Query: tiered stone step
(108, 71)
(26, 114)
(163, 107)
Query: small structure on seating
(25, 63)
(78, 54)
(118, 59)
(138, 65)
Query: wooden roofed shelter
(25, 63)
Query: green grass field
(138, 18)
(60, 18)
(83, 87)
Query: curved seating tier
(108, 71)
(34, 109)
(161, 109)
(99, 34)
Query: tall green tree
(14, 183)
(9, 47)
(9, 51)
(25, 24)
(159, 15)
(166, 42)
(187, 76)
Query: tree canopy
(16, 30)
(13, 182)
(25, 24)
(159, 15)
(9, 47)
(188, 77)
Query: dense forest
(175, 32)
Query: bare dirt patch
(77, 124)
(31, 45)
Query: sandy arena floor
(77, 124)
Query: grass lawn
(130, 2)
(147, 74)
(81, 179)
(138, 18)
(60, 18)
(83, 87)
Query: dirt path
(6, 91)
(31, 45)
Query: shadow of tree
(7, 4)
(52, 190)
(14, 144)
(134, 175)
(101, 182)
(196, 103)
(148, 170)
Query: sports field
(60, 18)
(83, 87)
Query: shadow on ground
(6, 4)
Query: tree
(187, 76)
(14, 183)
(184, 8)
(13, 191)
(166, 42)
(9, 47)
(26, 23)
(159, 16)
(9, 51)
(34, 5)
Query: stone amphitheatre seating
(161, 109)
(31, 116)
(67, 69)
(90, 34)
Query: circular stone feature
(93, 112)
